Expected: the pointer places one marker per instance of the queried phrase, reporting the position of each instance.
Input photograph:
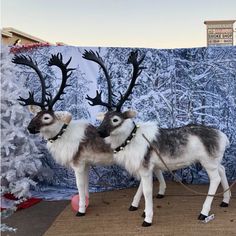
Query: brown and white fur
(178, 147)
(78, 147)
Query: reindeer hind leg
(215, 179)
(162, 183)
(225, 185)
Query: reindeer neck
(121, 134)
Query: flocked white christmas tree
(20, 157)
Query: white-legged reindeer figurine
(72, 143)
(179, 147)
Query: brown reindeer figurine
(73, 143)
(179, 147)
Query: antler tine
(57, 60)
(97, 100)
(137, 70)
(95, 57)
(23, 60)
(30, 101)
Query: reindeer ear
(34, 109)
(100, 116)
(63, 116)
(129, 114)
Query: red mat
(23, 205)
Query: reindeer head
(46, 121)
(114, 123)
(114, 120)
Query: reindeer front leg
(137, 198)
(147, 185)
(80, 182)
(86, 177)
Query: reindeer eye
(46, 118)
(115, 120)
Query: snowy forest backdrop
(178, 87)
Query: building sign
(220, 33)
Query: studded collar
(127, 141)
(63, 129)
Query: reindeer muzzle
(32, 129)
(103, 133)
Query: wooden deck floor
(176, 214)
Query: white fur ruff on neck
(65, 148)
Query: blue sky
(128, 23)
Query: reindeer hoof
(202, 217)
(159, 195)
(144, 215)
(132, 208)
(79, 214)
(224, 204)
(146, 224)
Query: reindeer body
(179, 147)
(183, 146)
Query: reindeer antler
(137, 70)
(95, 57)
(57, 60)
(30, 101)
(98, 100)
(23, 60)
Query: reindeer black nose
(32, 129)
(103, 133)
